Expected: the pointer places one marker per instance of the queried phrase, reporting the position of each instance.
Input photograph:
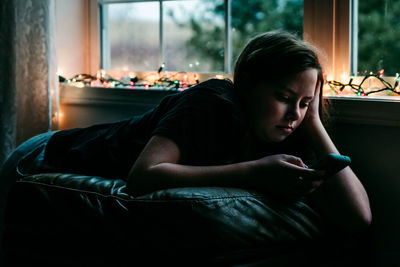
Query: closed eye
(304, 104)
(283, 98)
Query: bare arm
(342, 198)
(158, 167)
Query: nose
(293, 113)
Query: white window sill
(352, 110)
(365, 110)
(70, 95)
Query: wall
(82, 107)
(375, 153)
(77, 45)
(367, 130)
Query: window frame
(328, 25)
(332, 18)
(105, 57)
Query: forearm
(171, 175)
(342, 197)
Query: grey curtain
(28, 80)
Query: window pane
(134, 36)
(378, 36)
(194, 35)
(252, 17)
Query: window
(378, 32)
(194, 35)
(326, 24)
(188, 35)
(205, 36)
(131, 36)
(252, 17)
(370, 69)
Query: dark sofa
(63, 219)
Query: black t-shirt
(204, 121)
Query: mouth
(285, 128)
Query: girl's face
(276, 110)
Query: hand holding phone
(331, 164)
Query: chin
(274, 139)
(279, 139)
(271, 136)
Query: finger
(318, 89)
(307, 184)
(315, 175)
(303, 173)
(305, 187)
(308, 174)
(317, 184)
(295, 160)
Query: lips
(286, 128)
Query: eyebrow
(287, 89)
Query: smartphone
(331, 164)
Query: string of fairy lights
(363, 89)
(180, 81)
(160, 81)
(167, 83)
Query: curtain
(28, 79)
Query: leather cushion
(232, 216)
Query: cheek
(271, 111)
(278, 109)
(302, 115)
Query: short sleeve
(205, 128)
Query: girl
(254, 133)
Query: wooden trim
(318, 27)
(327, 26)
(94, 37)
(350, 110)
(364, 111)
(70, 95)
(342, 37)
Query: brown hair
(274, 56)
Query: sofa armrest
(66, 215)
(81, 183)
(232, 216)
